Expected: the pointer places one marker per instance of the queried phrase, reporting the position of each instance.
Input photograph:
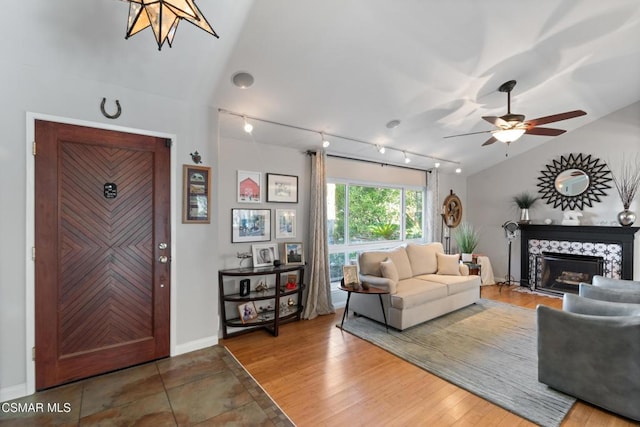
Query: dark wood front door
(102, 296)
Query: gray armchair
(614, 290)
(591, 350)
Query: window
(363, 216)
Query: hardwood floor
(320, 375)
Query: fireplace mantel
(622, 236)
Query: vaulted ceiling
(348, 67)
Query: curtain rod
(347, 138)
(337, 156)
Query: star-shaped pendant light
(163, 16)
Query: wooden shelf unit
(267, 319)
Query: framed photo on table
(247, 312)
(293, 253)
(250, 225)
(350, 274)
(196, 191)
(264, 254)
(282, 188)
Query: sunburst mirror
(574, 181)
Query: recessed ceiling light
(393, 124)
(242, 79)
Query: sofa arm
(609, 294)
(379, 282)
(464, 269)
(593, 358)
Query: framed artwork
(293, 253)
(282, 188)
(350, 274)
(285, 223)
(196, 191)
(247, 312)
(250, 225)
(264, 254)
(249, 187)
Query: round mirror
(572, 182)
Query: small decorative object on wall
(350, 274)
(282, 188)
(196, 157)
(293, 253)
(264, 254)
(467, 239)
(285, 223)
(250, 225)
(247, 312)
(111, 116)
(249, 187)
(627, 182)
(574, 181)
(524, 201)
(452, 210)
(196, 191)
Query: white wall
(489, 192)
(195, 249)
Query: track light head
(381, 149)
(248, 127)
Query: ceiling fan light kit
(510, 127)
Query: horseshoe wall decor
(107, 115)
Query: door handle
(163, 259)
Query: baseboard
(13, 392)
(195, 345)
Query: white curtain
(319, 290)
(434, 220)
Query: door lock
(163, 259)
(162, 245)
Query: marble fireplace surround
(614, 244)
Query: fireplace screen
(560, 273)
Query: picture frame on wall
(196, 194)
(293, 253)
(282, 188)
(249, 189)
(285, 223)
(250, 225)
(264, 254)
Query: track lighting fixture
(248, 127)
(458, 170)
(381, 149)
(406, 159)
(325, 142)
(436, 164)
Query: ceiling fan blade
(465, 134)
(544, 131)
(489, 141)
(496, 121)
(555, 118)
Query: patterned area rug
(488, 348)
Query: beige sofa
(423, 283)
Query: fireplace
(558, 273)
(613, 244)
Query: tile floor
(205, 388)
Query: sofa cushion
(423, 257)
(369, 262)
(415, 292)
(448, 264)
(455, 284)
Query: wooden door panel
(102, 300)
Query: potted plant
(627, 183)
(467, 238)
(524, 201)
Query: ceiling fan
(510, 127)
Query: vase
(524, 216)
(467, 257)
(626, 217)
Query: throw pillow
(389, 271)
(448, 264)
